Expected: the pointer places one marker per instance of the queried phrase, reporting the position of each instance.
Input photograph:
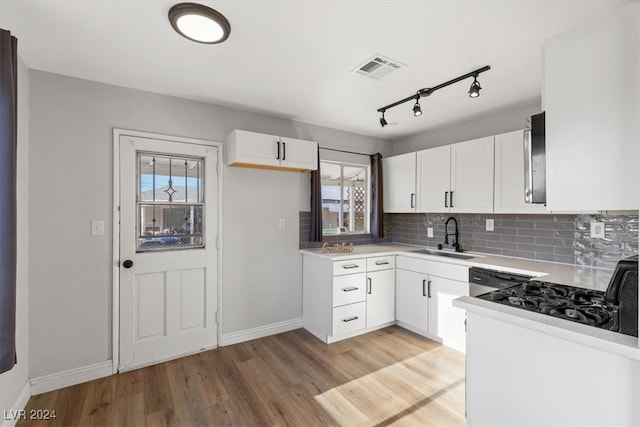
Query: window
(170, 202)
(345, 198)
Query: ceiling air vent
(377, 67)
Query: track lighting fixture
(474, 92)
(417, 111)
(383, 122)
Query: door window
(170, 202)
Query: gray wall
(71, 183)
(13, 382)
(493, 123)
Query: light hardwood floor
(387, 377)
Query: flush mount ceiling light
(474, 92)
(199, 23)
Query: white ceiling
(293, 59)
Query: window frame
(367, 186)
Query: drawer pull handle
(350, 319)
(382, 262)
(350, 266)
(352, 288)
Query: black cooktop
(580, 305)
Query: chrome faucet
(451, 239)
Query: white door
(168, 255)
(412, 305)
(445, 320)
(399, 175)
(299, 154)
(381, 298)
(472, 176)
(434, 171)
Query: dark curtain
(8, 144)
(315, 233)
(377, 228)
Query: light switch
(429, 231)
(97, 227)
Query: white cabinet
(434, 179)
(425, 291)
(344, 298)
(509, 175)
(399, 183)
(445, 320)
(381, 291)
(257, 150)
(456, 178)
(412, 305)
(592, 100)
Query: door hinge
(217, 317)
(217, 242)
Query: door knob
(127, 263)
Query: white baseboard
(15, 414)
(71, 377)
(260, 332)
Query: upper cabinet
(592, 101)
(399, 183)
(256, 150)
(509, 175)
(456, 178)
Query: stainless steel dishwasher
(482, 280)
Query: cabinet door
(381, 297)
(412, 305)
(472, 176)
(445, 320)
(592, 147)
(509, 175)
(298, 154)
(434, 168)
(399, 183)
(252, 149)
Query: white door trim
(117, 133)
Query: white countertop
(585, 277)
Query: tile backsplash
(548, 237)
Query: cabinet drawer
(381, 263)
(349, 318)
(435, 268)
(349, 289)
(349, 266)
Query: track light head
(474, 90)
(383, 122)
(417, 111)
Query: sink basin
(444, 254)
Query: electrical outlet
(281, 224)
(429, 231)
(489, 226)
(597, 230)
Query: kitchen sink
(444, 254)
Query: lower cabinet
(381, 296)
(412, 303)
(424, 299)
(344, 298)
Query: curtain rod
(343, 151)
